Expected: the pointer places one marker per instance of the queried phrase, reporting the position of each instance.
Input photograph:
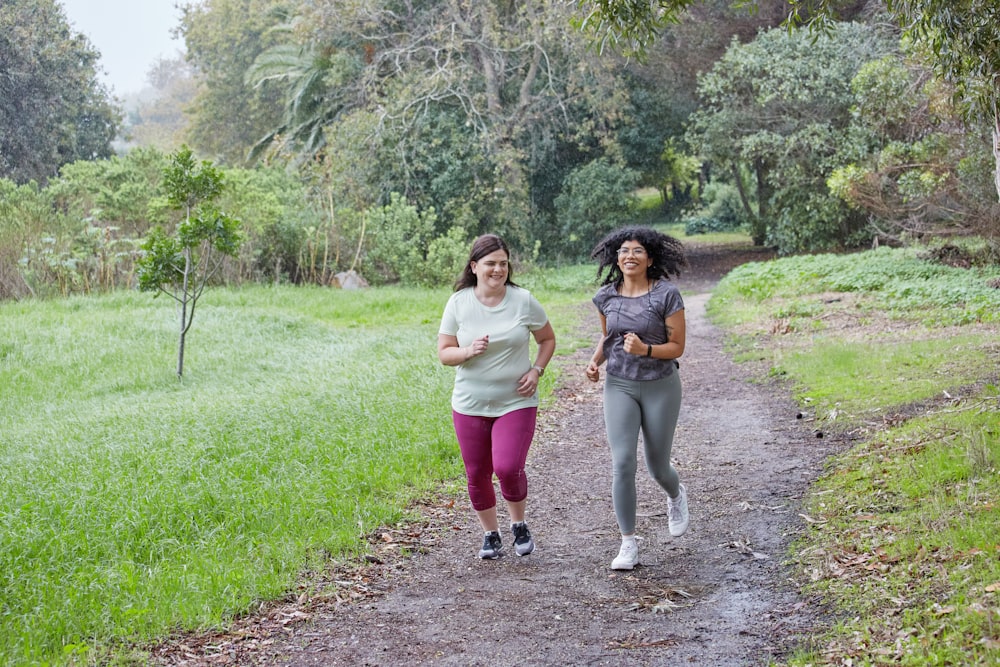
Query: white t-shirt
(486, 386)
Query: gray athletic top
(644, 316)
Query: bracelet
(541, 371)
(649, 350)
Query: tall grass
(132, 504)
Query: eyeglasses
(635, 252)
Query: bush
(402, 246)
(596, 198)
(722, 212)
(25, 212)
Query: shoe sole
(521, 552)
(624, 568)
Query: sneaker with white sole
(523, 544)
(491, 546)
(677, 513)
(627, 558)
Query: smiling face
(491, 270)
(633, 260)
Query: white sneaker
(677, 513)
(627, 558)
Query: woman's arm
(546, 340)
(672, 349)
(451, 354)
(597, 358)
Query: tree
(962, 35)
(478, 109)
(181, 266)
(53, 110)
(320, 83)
(158, 115)
(223, 37)
(779, 109)
(596, 198)
(964, 38)
(915, 177)
(632, 26)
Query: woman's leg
(512, 435)
(622, 418)
(661, 406)
(475, 442)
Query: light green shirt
(486, 385)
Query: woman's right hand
(478, 346)
(593, 371)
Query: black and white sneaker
(523, 544)
(491, 546)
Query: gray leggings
(652, 406)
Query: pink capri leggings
(495, 445)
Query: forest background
(381, 137)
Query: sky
(131, 35)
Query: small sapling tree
(181, 265)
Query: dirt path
(718, 596)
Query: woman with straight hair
(485, 333)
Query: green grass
(651, 213)
(133, 504)
(901, 542)
(904, 543)
(677, 230)
(893, 282)
(859, 377)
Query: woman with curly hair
(642, 326)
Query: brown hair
(482, 246)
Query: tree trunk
(183, 308)
(996, 149)
(180, 356)
(759, 231)
(758, 228)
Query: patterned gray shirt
(646, 317)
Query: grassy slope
(132, 504)
(902, 356)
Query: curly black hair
(666, 252)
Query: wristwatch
(541, 371)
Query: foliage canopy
(53, 110)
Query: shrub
(402, 246)
(596, 198)
(722, 211)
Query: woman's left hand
(528, 383)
